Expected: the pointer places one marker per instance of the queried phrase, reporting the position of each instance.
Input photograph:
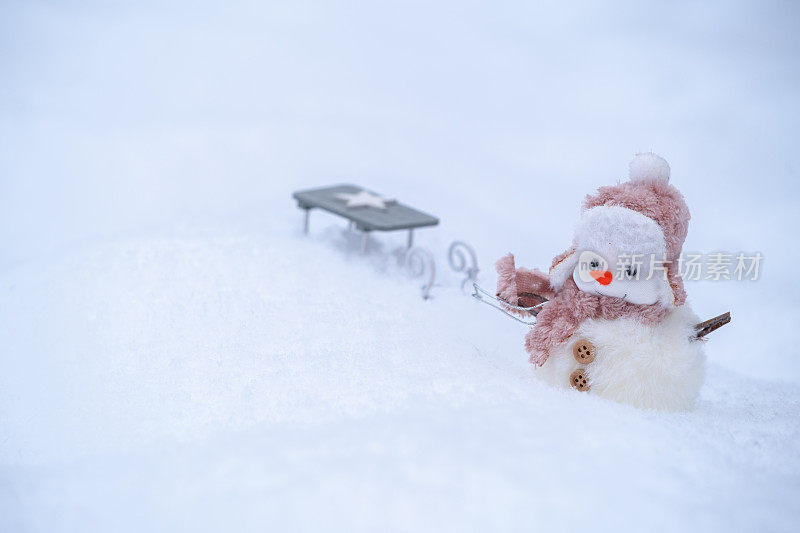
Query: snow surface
(177, 356)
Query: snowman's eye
(594, 263)
(631, 271)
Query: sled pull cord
(501, 305)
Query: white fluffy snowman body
(648, 366)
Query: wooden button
(583, 351)
(578, 380)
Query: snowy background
(174, 354)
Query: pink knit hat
(649, 193)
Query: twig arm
(529, 299)
(704, 328)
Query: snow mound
(228, 381)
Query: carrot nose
(603, 277)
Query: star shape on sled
(364, 198)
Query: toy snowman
(616, 322)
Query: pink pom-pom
(648, 167)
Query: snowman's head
(618, 253)
(628, 237)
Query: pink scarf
(562, 315)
